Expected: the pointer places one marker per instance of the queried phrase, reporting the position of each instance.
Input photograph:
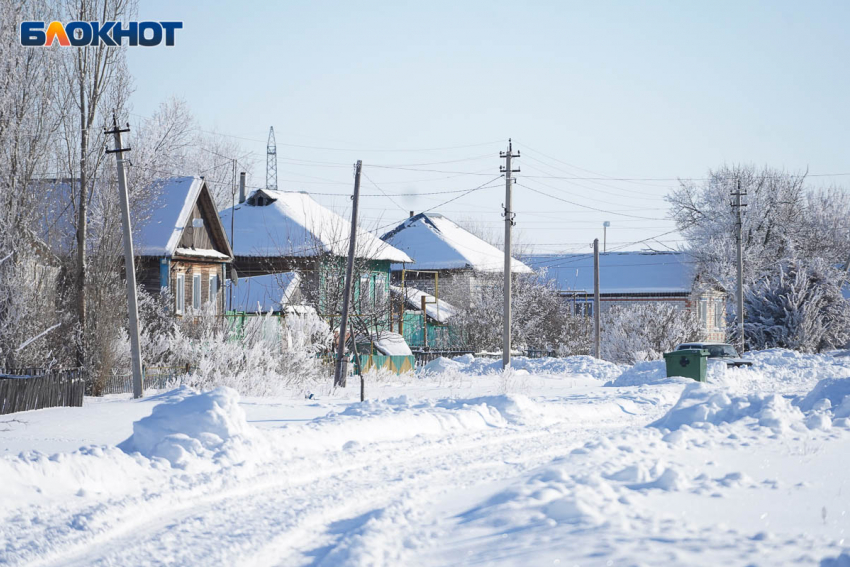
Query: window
(179, 291)
(365, 297)
(703, 311)
(380, 288)
(196, 291)
(719, 314)
(584, 308)
(213, 287)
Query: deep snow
(541, 465)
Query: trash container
(690, 363)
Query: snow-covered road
(569, 473)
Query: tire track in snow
(274, 515)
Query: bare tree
(97, 84)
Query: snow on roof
(202, 253)
(619, 272)
(161, 233)
(440, 311)
(386, 343)
(392, 344)
(293, 224)
(437, 243)
(261, 294)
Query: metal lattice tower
(271, 162)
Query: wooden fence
(156, 377)
(35, 389)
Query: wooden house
(275, 232)
(445, 254)
(183, 247)
(627, 278)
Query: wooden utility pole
(509, 223)
(739, 245)
(129, 261)
(596, 306)
(340, 378)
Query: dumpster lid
(688, 352)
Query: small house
(274, 232)
(425, 321)
(627, 278)
(442, 248)
(183, 247)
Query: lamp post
(605, 226)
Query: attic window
(197, 223)
(260, 200)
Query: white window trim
(719, 314)
(179, 294)
(702, 312)
(213, 287)
(196, 278)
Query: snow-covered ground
(557, 462)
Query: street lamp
(605, 226)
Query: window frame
(212, 287)
(179, 294)
(719, 313)
(702, 312)
(196, 291)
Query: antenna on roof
(271, 162)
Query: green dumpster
(690, 363)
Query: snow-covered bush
(798, 306)
(261, 355)
(646, 331)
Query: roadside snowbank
(189, 426)
(580, 365)
(702, 406)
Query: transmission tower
(271, 162)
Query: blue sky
(620, 89)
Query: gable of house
(184, 222)
(438, 243)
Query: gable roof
(161, 234)
(620, 272)
(437, 243)
(286, 224)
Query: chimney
(241, 187)
(411, 214)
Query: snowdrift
(701, 406)
(188, 426)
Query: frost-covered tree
(799, 306)
(541, 319)
(634, 333)
(782, 219)
(32, 313)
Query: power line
(587, 206)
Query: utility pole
(596, 341)
(739, 244)
(340, 377)
(129, 262)
(509, 223)
(234, 277)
